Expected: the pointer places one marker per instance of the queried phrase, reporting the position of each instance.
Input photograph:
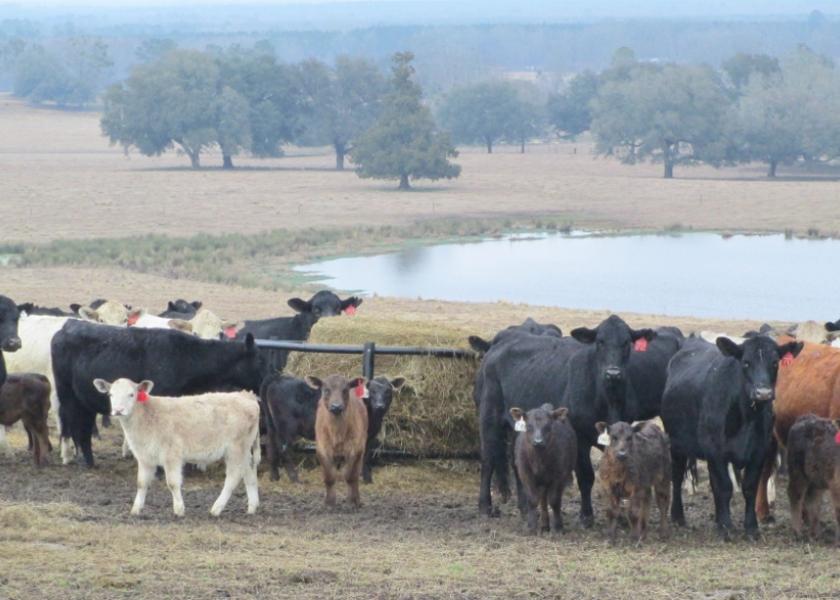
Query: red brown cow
(26, 397)
(341, 423)
(808, 385)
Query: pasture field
(66, 532)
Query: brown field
(65, 532)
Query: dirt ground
(65, 531)
(55, 165)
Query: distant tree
(569, 112)
(788, 115)
(232, 126)
(171, 102)
(404, 143)
(69, 76)
(274, 93)
(528, 119)
(345, 102)
(483, 112)
(152, 49)
(673, 114)
(741, 67)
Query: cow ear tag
(787, 360)
(520, 426)
(640, 345)
(142, 395)
(604, 439)
(350, 310)
(361, 390)
(230, 332)
(132, 319)
(837, 438)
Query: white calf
(205, 324)
(170, 432)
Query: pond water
(765, 277)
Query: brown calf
(637, 459)
(814, 463)
(341, 423)
(26, 397)
(545, 455)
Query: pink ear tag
(350, 310)
(132, 319)
(640, 345)
(787, 360)
(837, 438)
(230, 332)
(142, 395)
(360, 390)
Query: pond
(764, 277)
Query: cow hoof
(587, 521)
(768, 520)
(752, 535)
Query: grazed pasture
(66, 532)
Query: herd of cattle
(732, 402)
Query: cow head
(206, 325)
(124, 394)
(335, 391)
(325, 304)
(613, 340)
(182, 306)
(759, 361)
(251, 366)
(110, 313)
(381, 393)
(621, 437)
(9, 317)
(539, 423)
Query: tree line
(245, 101)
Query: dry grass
(62, 180)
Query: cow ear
(250, 345)
(555, 329)
(584, 334)
(793, 348)
(516, 414)
(829, 326)
(180, 325)
(637, 334)
(26, 307)
(397, 382)
(478, 344)
(354, 301)
(559, 414)
(313, 382)
(101, 386)
(196, 304)
(171, 306)
(145, 386)
(729, 348)
(74, 308)
(299, 305)
(637, 426)
(601, 426)
(89, 314)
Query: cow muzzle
(336, 409)
(538, 442)
(12, 344)
(613, 373)
(763, 394)
(117, 412)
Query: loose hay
(434, 413)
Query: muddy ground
(65, 531)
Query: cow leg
(835, 503)
(233, 475)
(491, 446)
(556, 498)
(749, 487)
(545, 525)
(145, 475)
(367, 474)
(174, 481)
(797, 487)
(762, 500)
(613, 512)
(273, 452)
(4, 444)
(352, 473)
(813, 504)
(249, 470)
(86, 425)
(722, 491)
(330, 475)
(586, 478)
(678, 466)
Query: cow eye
(746, 364)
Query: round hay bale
(434, 414)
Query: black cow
(181, 309)
(9, 340)
(528, 326)
(297, 328)
(33, 309)
(288, 408)
(718, 407)
(178, 363)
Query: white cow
(170, 432)
(205, 324)
(712, 336)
